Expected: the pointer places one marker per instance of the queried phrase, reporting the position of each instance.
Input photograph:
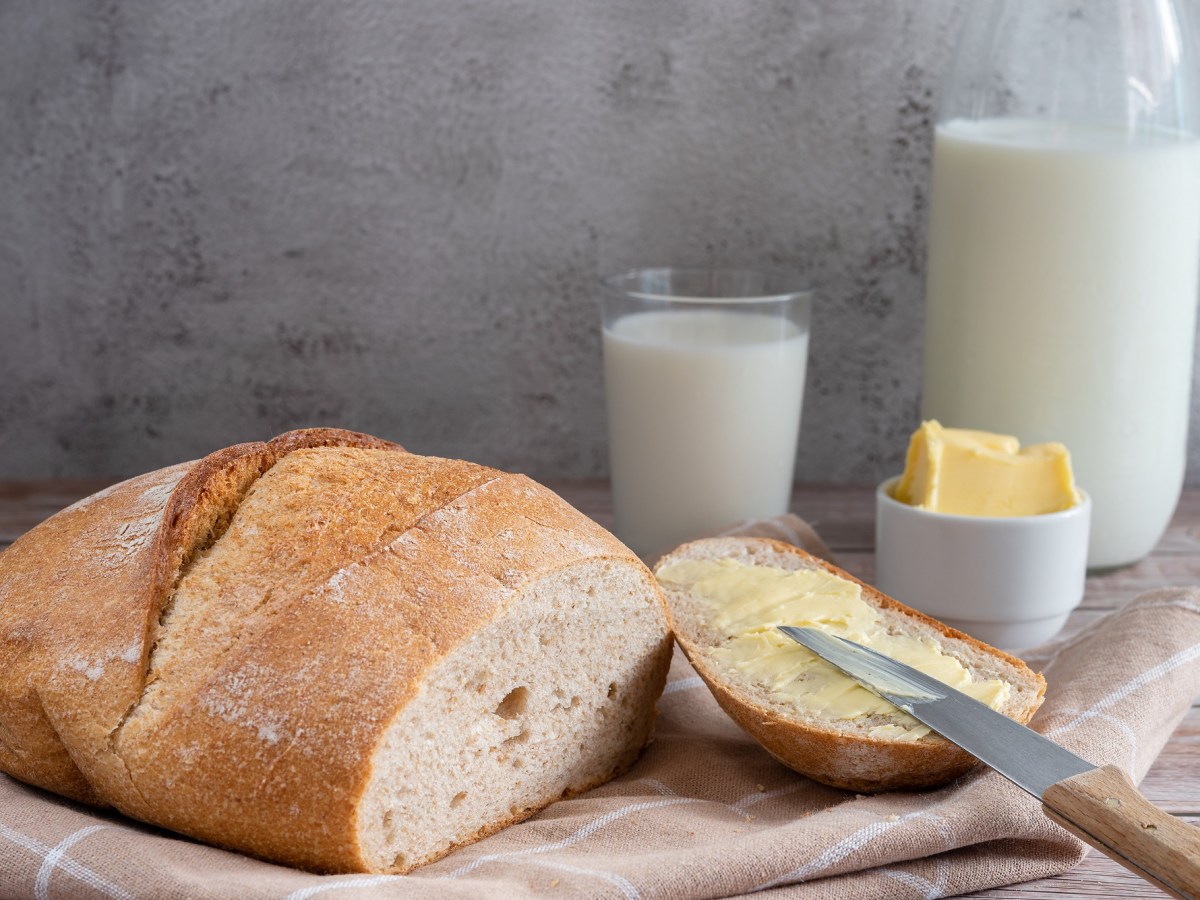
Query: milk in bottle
(1064, 245)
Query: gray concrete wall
(221, 220)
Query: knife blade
(1099, 804)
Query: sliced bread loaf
(326, 651)
(877, 747)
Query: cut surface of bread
(550, 699)
(326, 651)
(836, 733)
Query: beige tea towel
(705, 812)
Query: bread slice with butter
(725, 597)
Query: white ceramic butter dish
(1008, 581)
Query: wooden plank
(1096, 877)
(1156, 570)
(844, 515)
(24, 504)
(1173, 782)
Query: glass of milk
(704, 379)
(1064, 245)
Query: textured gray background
(220, 220)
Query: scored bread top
(160, 642)
(841, 752)
(80, 596)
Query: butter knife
(1098, 804)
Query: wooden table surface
(844, 516)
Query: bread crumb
(554, 883)
(760, 788)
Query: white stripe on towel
(575, 837)
(69, 866)
(683, 684)
(341, 884)
(1183, 657)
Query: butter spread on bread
(746, 602)
(326, 652)
(724, 597)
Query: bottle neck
(1126, 66)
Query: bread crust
(238, 757)
(854, 762)
(80, 595)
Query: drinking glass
(704, 380)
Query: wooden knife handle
(1104, 808)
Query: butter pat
(745, 603)
(977, 473)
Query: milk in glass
(704, 414)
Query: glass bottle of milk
(1064, 243)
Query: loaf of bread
(326, 651)
(879, 749)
